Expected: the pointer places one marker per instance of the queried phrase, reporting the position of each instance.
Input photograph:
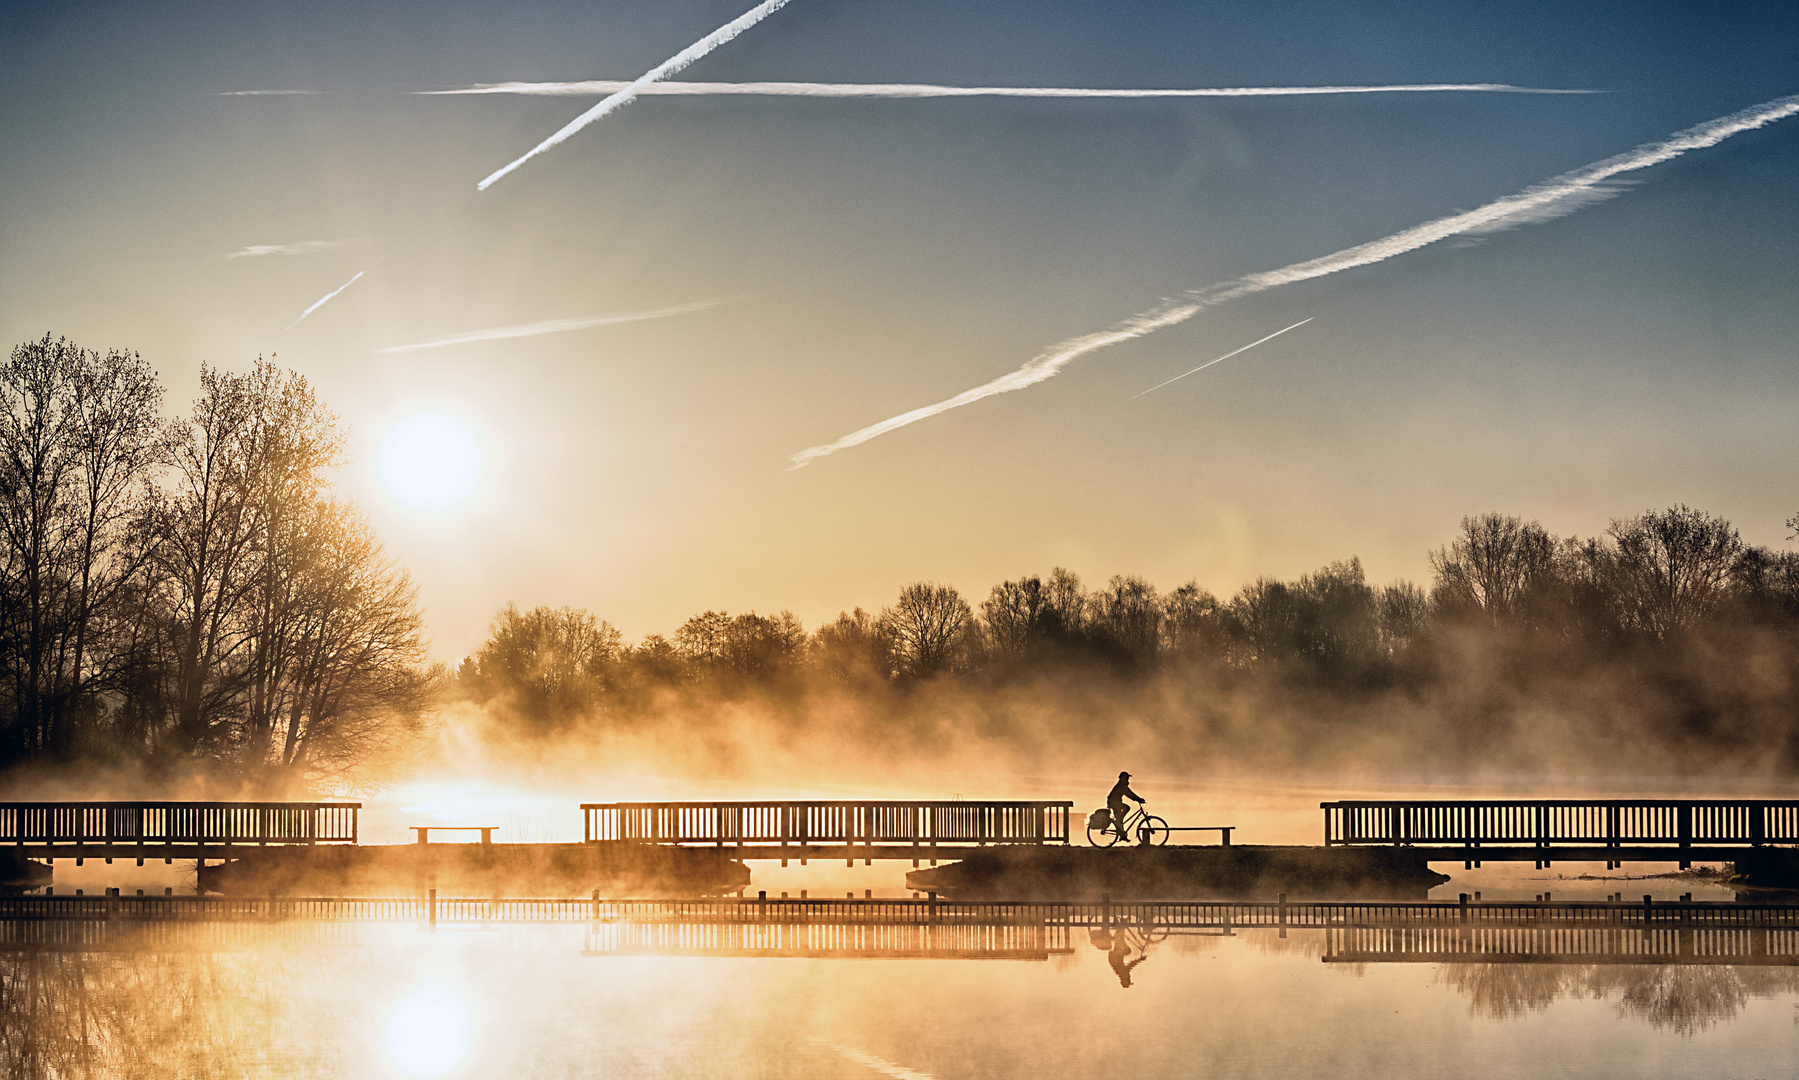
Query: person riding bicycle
(1115, 802)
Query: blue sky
(877, 256)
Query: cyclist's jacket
(1120, 792)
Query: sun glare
(428, 1032)
(430, 461)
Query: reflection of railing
(1563, 945)
(1597, 823)
(830, 940)
(113, 824)
(833, 823)
(930, 911)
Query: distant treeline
(1666, 630)
(187, 594)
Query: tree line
(1699, 628)
(188, 593)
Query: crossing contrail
(926, 90)
(626, 93)
(321, 300)
(1226, 356)
(1541, 202)
(302, 247)
(553, 326)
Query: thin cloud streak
(1226, 356)
(553, 326)
(626, 94)
(321, 300)
(1540, 202)
(302, 247)
(927, 90)
(266, 93)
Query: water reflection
(429, 1031)
(290, 1000)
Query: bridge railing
(1544, 823)
(834, 823)
(193, 823)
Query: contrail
(265, 93)
(625, 94)
(302, 247)
(927, 90)
(1540, 202)
(321, 300)
(553, 326)
(1226, 356)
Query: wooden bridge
(1612, 831)
(836, 830)
(168, 830)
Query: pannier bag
(1099, 819)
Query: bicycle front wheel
(1152, 831)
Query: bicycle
(1150, 830)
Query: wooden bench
(1223, 829)
(425, 831)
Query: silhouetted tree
(548, 666)
(926, 627)
(1495, 567)
(1671, 568)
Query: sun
(430, 461)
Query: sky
(694, 289)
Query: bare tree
(78, 433)
(1671, 568)
(548, 664)
(1193, 623)
(851, 650)
(1015, 614)
(926, 627)
(1494, 566)
(1127, 615)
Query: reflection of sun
(430, 461)
(428, 1032)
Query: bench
(1223, 829)
(425, 831)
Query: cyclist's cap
(1124, 776)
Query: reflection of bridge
(835, 941)
(933, 911)
(1612, 831)
(1741, 946)
(834, 830)
(168, 830)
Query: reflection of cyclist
(1121, 949)
(1115, 802)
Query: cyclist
(1115, 802)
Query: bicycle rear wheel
(1102, 837)
(1152, 831)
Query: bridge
(838, 830)
(1612, 831)
(168, 830)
